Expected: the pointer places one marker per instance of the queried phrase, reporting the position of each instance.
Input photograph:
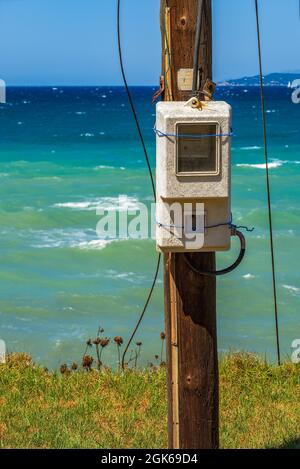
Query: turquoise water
(65, 151)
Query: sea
(65, 152)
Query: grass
(259, 406)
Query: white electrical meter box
(193, 177)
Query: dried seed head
(63, 368)
(74, 366)
(139, 344)
(104, 342)
(87, 361)
(97, 341)
(162, 336)
(89, 343)
(156, 357)
(118, 340)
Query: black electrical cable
(264, 121)
(215, 273)
(132, 103)
(143, 312)
(197, 45)
(151, 177)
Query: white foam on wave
(251, 148)
(272, 165)
(249, 276)
(57, 238)
(98, 168)
(65, 238)
(47, 178)
(120, 203)
(291, 161)
(102, 166)
(75, 205)
(292, 289)
(93, 244)
(87, 134)
(131, 277)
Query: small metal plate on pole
(185, 79)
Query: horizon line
(75, 85)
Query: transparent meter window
(197, 155)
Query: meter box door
(193, 171)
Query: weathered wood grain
(190, 299)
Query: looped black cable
(216, 273)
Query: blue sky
(73, 42)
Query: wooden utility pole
(190, 299)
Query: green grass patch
(259, 406)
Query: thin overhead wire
(132, 103)
(264, 121)
(151, 178)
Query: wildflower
(97, 341)
(89, 343)
(162, 336)
(104, 342)
(87, 362)
(63, 368)
(118, 340)
(74, 366)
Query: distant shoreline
(271, 80)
